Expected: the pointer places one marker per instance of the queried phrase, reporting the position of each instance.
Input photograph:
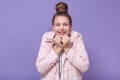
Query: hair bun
(61, 7)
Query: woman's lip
(61, 33)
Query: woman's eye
(57, 24)
(66, 24)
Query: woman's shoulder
(49, 34)
(75, 34)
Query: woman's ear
(53, 28)
(70, 28)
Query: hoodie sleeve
(46, 56)
(77, 55)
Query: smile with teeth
(61, 32)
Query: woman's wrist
(66, 49)
(57, 49)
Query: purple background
(22, 23)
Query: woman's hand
(61, 44)
(66, 43)
(57, 44)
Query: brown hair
(61, 10)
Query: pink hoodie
(75, 61)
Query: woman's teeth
(61, 33)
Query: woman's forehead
(61, 19)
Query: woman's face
(61, 26)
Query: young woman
(62, 54)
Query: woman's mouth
(62, 32)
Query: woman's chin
(61, 35)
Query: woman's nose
(61, 27)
